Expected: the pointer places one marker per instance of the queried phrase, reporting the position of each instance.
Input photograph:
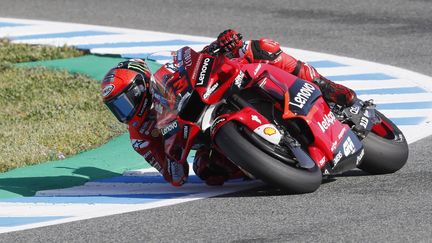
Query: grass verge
(48, 114)
(16, 53)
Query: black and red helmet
(125, 87)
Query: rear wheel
(283, 174)
(386, 149)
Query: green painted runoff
(106, 161)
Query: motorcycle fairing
(348, 154)
(251, 119)
(303, 100)
(204, 71)
(173, 89)
(218, 82)
(298, 95)
(197, 71)
(330, 134)
(302, 96)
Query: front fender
(251, 119)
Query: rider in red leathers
(127, 93)
(268, 51)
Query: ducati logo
(107, 90)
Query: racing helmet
(125, 89)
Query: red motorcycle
(271, 124)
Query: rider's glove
(179, 172)
(230, 41)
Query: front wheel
(263, 166)
(386, 149)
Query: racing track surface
(353, 207)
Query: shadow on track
(28, 186)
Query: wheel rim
(387, 130)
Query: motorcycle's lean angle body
(273, 125)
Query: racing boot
(335, 93)
(213, 168)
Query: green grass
(48, 114)
(16, 53)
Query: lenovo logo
(204, 71)
(303, 95)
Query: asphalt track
(353, 207)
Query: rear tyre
(386, 149)
(263, 166)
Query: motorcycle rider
(127, 93)
(268, 51)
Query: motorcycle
(273, 125)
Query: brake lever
(214, 49)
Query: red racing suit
(268, 51)
(148, 141)
(209, 165)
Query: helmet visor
(122, 107)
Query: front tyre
(263, 166)
(386, 149)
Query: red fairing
(247, 116)
(327, 130)
(211, 82)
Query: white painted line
(406, 113)
(373, 84)
(88, 211)
(398, 98)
